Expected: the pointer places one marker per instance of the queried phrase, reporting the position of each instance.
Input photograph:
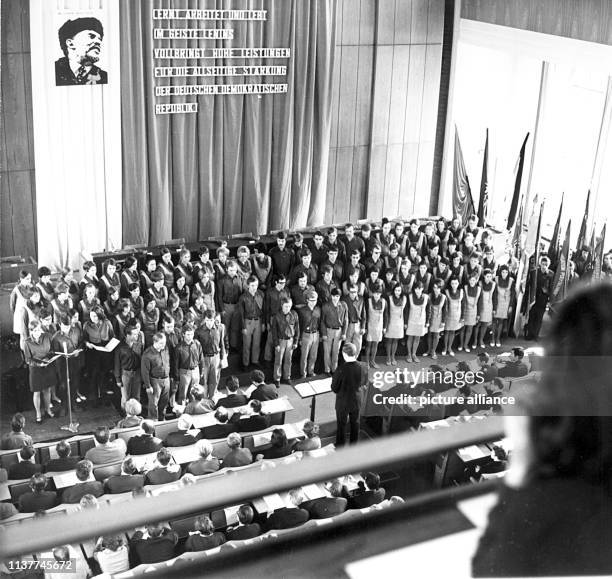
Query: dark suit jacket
(243, 532)
(367, 499)
(325, 507)
(64, 75)
(24, 470)
(264, 392)
(513, 370)
(347, 383)
(62, 464)
(33, 502)
(237, 457)
(203, 542)
(143, 444)
(124, 483)
(180, 438)
(489, 372)
(252, 423)
(155, 550)
(232, 401)
(161, 475)
(218, 430)
(287, 518)
(75, 493)
(277, 452)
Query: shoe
(39, 420)
(492, 344)
(482, 345)
(374, 365)
(460, 348)
(498, 344)
(56, 401)
(304, 376)
(388, 362)
(467, 349)
(109, 392)
(434, 356)
(80, 397)
(394, 362)
(415, 359)
(49, 414)
(443, 353)
(277, 383)
(451, 353)
(426, 354)
(474, 346)
(409, 359)
(310, 375)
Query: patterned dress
(436, 316)
(486, 303)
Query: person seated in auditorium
(326, 507)
(199, 403)
(183, 436)
(166, 470)
(205, 536)
(88, 501)
(207, 463)
(289, 516)
(17, 438)
(7, 510)
(280, 446)
(74, 493)
(515, 368)
(222, 429)
(129, 479)
(133, 411)
(111, 553)
(106, 451)
(484, 365)
(236, 456)
(497, 464)
(64, 461)
(368, 494)
(246, 528)
(251, 418)
(496, 390)
(235, 396)
(38, 499)
(262, 391)
(144, 443)
(312, 440)
(156, 544)
(556, 493)
(26, 465)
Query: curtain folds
(243, 162)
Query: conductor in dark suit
(348, 383)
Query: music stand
(72, 426)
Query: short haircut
(221, 415)
(158, 337)
(61, 288)
(157, 276)
(372, 481)
(18, 422)
(164, 456)
(205, 448)
(133, 407)
(483, 357)
(234, 440)
(252, 279)
(27, 452)
(326, 269)
(255, 405)
(281, 235)
(62, 553)
(83, 469)
(232, 383)
(349, 349)
(128, 466)
(335, 292)
(245, 514)
(204, 525)
(43, 271)
(258, 376)
(63, 449)
(133, 287)
(310, 429)
(336, 489)
(38, 482)
(102, 434)
(198, 393)
(148, 427)
(518, 352)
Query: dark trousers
(344, 415)
(99, 365)
(534, 324)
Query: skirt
(436, 319)
(453, 316)
(42, 378)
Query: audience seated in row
(74, 493)
(145, 443)
(105, 451)
(17, 437)
(133, 410)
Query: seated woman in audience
(17, 438)
(554, 511)
(112, 554)
(38, 499)
(133, 410)
(369, 492)
(205, 536)
(280, 445)
(237, 456)
(312, 440)
(207, 463)
(246, 528)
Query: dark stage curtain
(242, 163)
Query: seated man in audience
(251, 418)
(246, 528)
(166, 471)
(205, 536)
(234, 396)
(207, 463)
(326, 507)
(515, 368)
(156, 544)
(199, 403)
(484, 365)
(183, 436)
(369, 494)
(38, 499)
(106, 451)
(262, 391)
(144, 443)
(26, 467)
(498, 463)
(74, 493)
(237, 456)
(17, 437)
(289, 516)
(280, 445)
(7, 510)
(222, 429)
(63, 461)
(496, 390)
(128, 480)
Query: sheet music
(305, 389)
(112, 344)
(274, 502)
(322, 386)
(313, 491)
(231, 515)
(69, 479)
(262, 439)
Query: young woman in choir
(18, 298)
(68, 339)
(389, 282)
(468, 247)
(207, 288)
(417, 324)
(399, 233)
(471, 298)
(430, 238)
(451, 249)
(184, 266)
(485, 309)
(46, 320)
(129, 275)
(262, 266)
(76, 335)
(436, 316)
(433, 255)
(393, 260)
(146, 282)
(67, 277)
(90, 276)
(415, 258)
(415, 237)
(205, 262)
(488, 261)
(443, 234)
(502, 298)
(182, 291)
(377, 317)
(42, 375)
(405, 276)
(385, 237)
(166, 267)
(47, 290)
(111, 304)
(243, 255)
(423, 277)
(373, 281)
(136, 301)
(473, 268)
(175, 312)
(149, 318)
(486, 242)
(88, 301)
(456, 228)
(62, 302)
(353, 279)
(98, 331)
(453, 320)
(28, 313)
(122, 317)
(158, 290)
(110, 279)
(220, 264)
(396, 326)
(456, 267)
(198, 309)
(442, 272)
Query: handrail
(38, 535)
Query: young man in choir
(272, 305)
(230, 288)
(188, 363)
(334, 324)
(127, 357)
(333, 242)
(213, 351)
(282, 257)
(336, 265)
(356, 313)
(285, 328)
(250, 308)
(310, 323)
(318, 249)
(305, 266)
(325, 285)
(351, 241)
(155, 372)
(300, 290)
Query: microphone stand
(72, 426)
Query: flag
(532, 279)
(553, 249)
(463, 204)
(559, 283)
(483, 201)
(517, 185)
(518, 233)
(598, 254)
(583, 228)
